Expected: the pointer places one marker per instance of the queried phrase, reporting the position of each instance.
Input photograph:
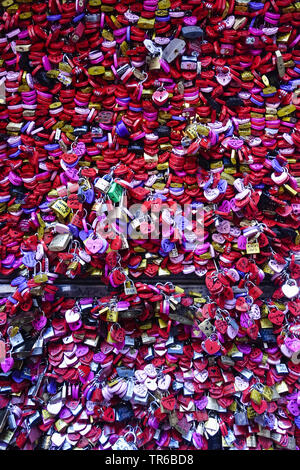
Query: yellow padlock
(61, 207)
(255, 396)
(96, 70)
(112, 316)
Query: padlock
(115, 192)
(255, 396)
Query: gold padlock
(112, 316)
(61, 207)
(255, 396)
(267, 393)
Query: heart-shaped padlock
(290, 289)
(117, 333)
(160, 96)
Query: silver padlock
(129, 287)
(16, 340)
(192, 32)
(129, 391)
(103, 185)
(173, 49)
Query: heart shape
(277, 317)
(109, 415)
(7, 364)
(160, 97)
(212, 426)
(211, 194)
(292, 344)
(261, 408)
(242, 242)
(211, 347)
(245, 320)
(81, 350)
(150, 371)
(58, 439)
(118, 335)
(240, 384)
(221, 326)
(140, 375)
(72, 316)
(231, 332)
(201, 376)
(201, 403)
(168, 403)
(151, 384)
(253, 331)
(39, 323)
(290, 289)
(293, 408)
(164, 382)
(140, 390)
(93, 245)
(223, 78)
(254, 312)
(224, 227)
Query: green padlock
(115, 192)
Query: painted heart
(39, 323)
(223, 78)
(150, 371)
(7, 364)
(168, 403)
(118, 335)
(294, 308)
(160, 97)
(218, 238)
(201, 376)
(239, 185)
(221, 326)
(231, 332)
(224, 227)
(140, 375)
(55, 407)
(241, 304)
(260, 409)
(240, 196)
(140, 390)
(292, 344)
(254, 312)
(151, 384)
(84, 256)
(212, 426)
(240, 384)
(109, 415)
(242, 242)
(245, 320)
(293, 408)
(276, 266)
(211, 194)
(164, 382)
(211, 347)
(81, 350)
(93, 245)
(276, 317)
(253, 331)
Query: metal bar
(97, 289)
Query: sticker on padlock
(129, 287)
(61, 207)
